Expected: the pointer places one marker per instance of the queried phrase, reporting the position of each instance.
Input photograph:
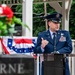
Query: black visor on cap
(54, 17)
(56, 20)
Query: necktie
(54, 41)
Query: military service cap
(55, 17)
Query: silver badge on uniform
(62, 38)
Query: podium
(54, 64)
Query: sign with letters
(16, 65)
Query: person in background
(62, 44)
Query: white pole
(27, 17)
(73, 60)
(38, 64)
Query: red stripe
(4, 48)
(29, 41)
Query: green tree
(72, 20)
(39, 23)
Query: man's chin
(57, 29)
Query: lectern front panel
(55, 65)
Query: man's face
(54, 26)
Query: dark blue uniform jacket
(63, 44)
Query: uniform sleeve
(37, 48)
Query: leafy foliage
(39, 23)
(8, 20)
(72, 20)
(7, 28)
